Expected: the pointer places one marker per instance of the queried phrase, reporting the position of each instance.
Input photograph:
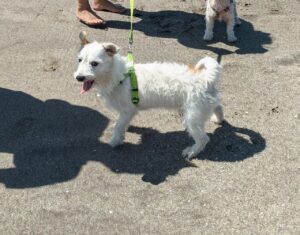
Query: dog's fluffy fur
(190, 89)
(222, 10)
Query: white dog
(190, 89)
(222, 10)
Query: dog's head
(95, 62)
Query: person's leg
(86, 15)
(105, 5)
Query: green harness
(131, 71)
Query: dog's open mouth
(87, 85)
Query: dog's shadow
(51, 141)
(188, 29)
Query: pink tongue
(86, 86)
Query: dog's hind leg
(195, 123)
(209, 22)
(120, 128)
(218, 115)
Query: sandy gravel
(59, 176)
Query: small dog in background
(221, 10)
(190, 89)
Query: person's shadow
(51, 141)
(188, 29)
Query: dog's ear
(83, 38)
(110, 48)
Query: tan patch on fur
(224, 15)
(194, 70)
(202, 67)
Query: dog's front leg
(230, 27)
(120, 128)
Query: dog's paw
(188, 153)
(238, 22)
(231, 38)
(114, 142)
(208, 36)
(218, 120)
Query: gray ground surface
(59, 176)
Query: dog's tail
(211, 69)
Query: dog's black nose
(80, 78)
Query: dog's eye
(79, 60)
(94, 63)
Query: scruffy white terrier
(190, 89)
(221, 10)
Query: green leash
(131, 71)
